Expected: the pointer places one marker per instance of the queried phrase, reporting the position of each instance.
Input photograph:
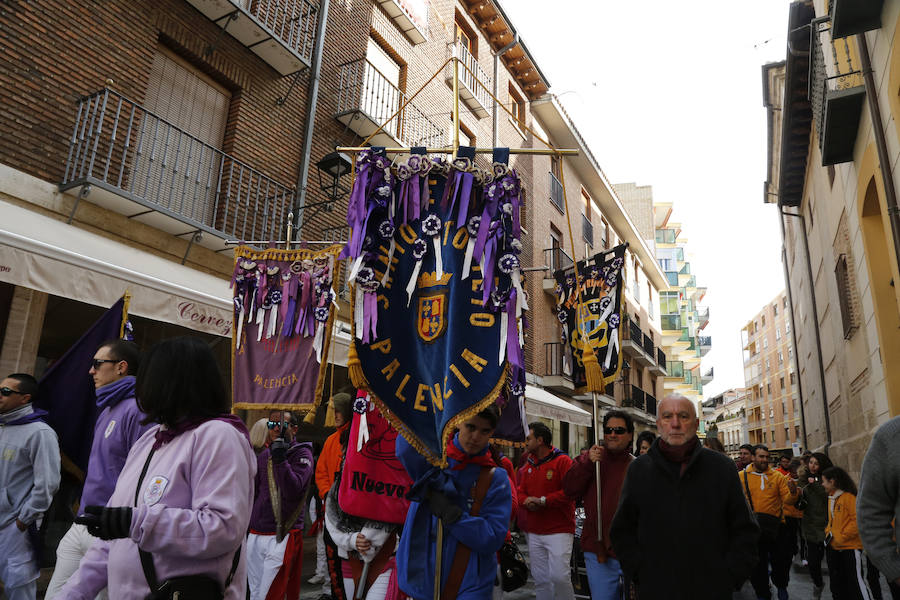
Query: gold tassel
(592, 371)
(354, 368)
(310, 417)
(329, 415)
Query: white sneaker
(316, 580)
(804, 562)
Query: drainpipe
(790, 299)
(887, 177)
(310, 116)
(497, 56)
(815, 311)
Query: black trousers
(815, 552)
(845, 572)
(776, 553)
(793, 526)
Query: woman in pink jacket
(178, 516)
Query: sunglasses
(5, 391)
(615, 430)
(274, 424)
(98, 362)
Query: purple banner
(283, 312)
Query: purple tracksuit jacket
(117, 429)
(291, 477)
(192, 513)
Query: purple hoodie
(291, 478)
(192, 514)
(116, 430)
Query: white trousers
(264, 559)
(377, 591)
(69, 553)
(550, 555)
(18, 570)
(321, 557)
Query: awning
(96, 270)
(541, 403)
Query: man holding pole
(547, 514)
(611, 459)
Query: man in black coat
(683, 530)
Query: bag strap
(147, 558)
(461, 557)
(749, 495)
(275, 498)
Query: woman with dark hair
(176, 522)
(844, 549)
(714, 444)
(815, 518)
(645, 439)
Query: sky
(669, 94)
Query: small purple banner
(284, 312)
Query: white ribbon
(467, 263)
(273, 320)
(610, 306)
(411, 286)
(438, 258)
(504, 318)
(319, 340)
(363, 436)
(387, 269)
(260, 316)
(612, 342)
(358, 310)
(357, 264)
(240, 326)
(521, 302)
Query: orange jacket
(769, 491)
(329, 461)
(842, 522)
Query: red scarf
(679, 454)
(464, 460)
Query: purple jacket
(117, 429)
(192, 514)
(291, 478)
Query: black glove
(107, 523)
(443, 508)
(279, 450)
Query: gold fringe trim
(282, 255)
(125, 306)
(502, 442)
(299, 408)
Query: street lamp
(331, 169)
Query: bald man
(683, 529)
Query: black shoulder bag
(193, 587)
(768, 524)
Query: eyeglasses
(98, 362)
(5, 391)
(273, 424)
(615, 430)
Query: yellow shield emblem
(431, 321)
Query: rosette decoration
(589, 310)
(438, 301)
(288, 296)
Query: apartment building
(729, 419)
(599, 222)
(832, 107)
(773, 410)
(682, 318)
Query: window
(787, 327)
(466, 137)
(764, 437)
(780, 358)
(791, 352)
(763, 319)
(781, 381)
(778, 333)
(765, 343)
(791, 378)
(381, 87)
(842, 275)
(775, 309)
(650, 299)
(604, 231)
(516, 106)
(796, 433)
(767, 365)
(769, 389)
(784, 303)
(555, 249)
(465, 37)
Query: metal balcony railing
(556, 259)
(634, 332)
(292, 21)
(647, 345)
(650, 402)
(704, 340)
(470, 78)
(587, 230)
(661, 358)
(836, 92)
(556, 193)
(634, 397)
(119, 146)
(364, 89)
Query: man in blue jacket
(448, 495)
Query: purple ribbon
(370, 317)
(513, 349)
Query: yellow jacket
(769, 491)
(842, 522)
(789, 509)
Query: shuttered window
(843, 283)
(181, 138)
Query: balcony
(707, 377)
(671, 323)
(634, 397)
(367, 99)
(650, 404)
(555, 376)
(659, 368)
(555, 258)
(633, 345)
(281, 32)
(473, 94)
(675, 369)
(130, 161)
(410, 17)
(705, 344)
(836, 92)
(854, 16)
(556, 193)
(587, 231)
(703, 318)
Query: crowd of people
(180, 500)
